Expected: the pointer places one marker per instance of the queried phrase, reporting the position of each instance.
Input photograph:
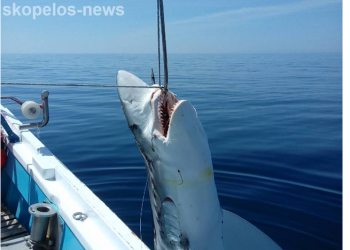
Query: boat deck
(13, 235)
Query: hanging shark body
(185, 205)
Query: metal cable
(78, 85)
(165, 56)
(158, 28)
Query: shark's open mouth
(166, 105)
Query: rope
(79, 85)
(12, 98)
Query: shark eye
(168, 199)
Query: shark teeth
(166, 105)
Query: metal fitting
(41, 213)
(45, 106)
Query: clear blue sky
(198, 26)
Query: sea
(273, 121)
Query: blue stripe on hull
(19, 191)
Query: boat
(43, 204)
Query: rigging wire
(165, 56)
(79, 85)
(158, 33)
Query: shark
(185, 206)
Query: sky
(198, 26)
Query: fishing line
(38, 132)
(143, 199)
(80, 85)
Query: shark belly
(182, 222)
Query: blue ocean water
(274, 124)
